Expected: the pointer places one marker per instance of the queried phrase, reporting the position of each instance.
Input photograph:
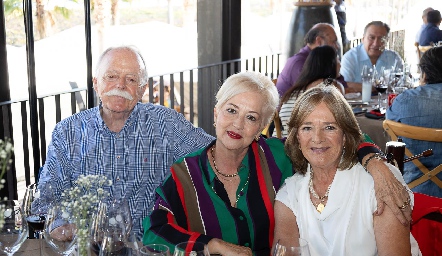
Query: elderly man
(320, 34)
(371, 52)
(133, 144)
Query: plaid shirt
(136, 159)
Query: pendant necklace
(240, 194)
(226, 176)
(320, 206)
(216, 168)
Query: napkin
(374, 114)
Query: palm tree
(44, 17)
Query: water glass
(155, 250)
(299, 249)
(13, 227)
(60, 230)
(191, 249)
(366, 75)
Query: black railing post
(33, 114)
(87, 29)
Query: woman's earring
(214, 125)
(256, 137)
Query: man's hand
(64, 233)
(389, 191)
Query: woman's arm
(392, 238)
(388, 189)
(286, 228)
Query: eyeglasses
(130, 79)
(383, 39)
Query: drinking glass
(111, 229)
(35, 208)
(380, 83)
(60, 230)
(366, 76)
(155, 250)
(191, 249)
(299, 249)
(118, 213)
(97, 229)
(15, 230)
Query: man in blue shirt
(132, 144)
(421, 107)
(424, 24)
(371, 52)
(431, 34)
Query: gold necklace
(241, 193)
(216, 168)
(320, 206)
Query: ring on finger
(403, 206)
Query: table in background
(372, 127)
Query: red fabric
(263, 188)
(428, 233)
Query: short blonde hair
(249, 81)
(345, 119)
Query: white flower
(7, 213)
(112, 221)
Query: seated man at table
(370, 52)
(320, 34)
(133, 144)
(421, 107)
(431, 34)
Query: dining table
(39, 247)
(369, 125)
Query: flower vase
(83, 248)
(83, 245)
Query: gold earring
(257, 138)
(214, 125)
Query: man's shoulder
(351, 54)
(297, 57)
(85, 115)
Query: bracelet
(374, 156)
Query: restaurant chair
(422, 49)
(275, 124)
(396, 129)
(426, 226)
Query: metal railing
(191, 92)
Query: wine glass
(380, 83)
(97, 229)
(60, 230)
(155, 250)
(35, 208)
(15, 230)
(191, 249)
(299, 249)
(118, 212)
(111, 229)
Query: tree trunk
(41, 22)
(101, 16)
(115, 13)
(189, 13)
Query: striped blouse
(192, 205)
